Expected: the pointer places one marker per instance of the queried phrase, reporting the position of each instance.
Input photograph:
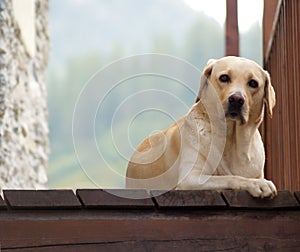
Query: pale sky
(249, 12)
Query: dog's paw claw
(262, 188)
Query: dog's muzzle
(235, 106)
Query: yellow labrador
(217, 145)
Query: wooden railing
(97, 220)
(282, 60)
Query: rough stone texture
(23, 107)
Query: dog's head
(243, 88)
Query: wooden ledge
(242, 199)
(2, 204)
(114, 198)
(297, 194)
(41, 199)
(135, 220)
(188, 199)
(141, 199)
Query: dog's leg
(256, 187)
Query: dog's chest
(246, 164)
(198, 133)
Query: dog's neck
(241, 136)
(238, 135)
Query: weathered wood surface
(188, 199)
(297, 194)
(2, 203)
(41, 199)
(243, 199)
(281, 134)
(176, 220)
(111, 198)
(269, 22)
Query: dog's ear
(203, 80)
(269, 98)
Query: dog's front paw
(262, 188)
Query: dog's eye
(224, 78)
(253, 83)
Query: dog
(217, 144)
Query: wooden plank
(270, 7)
(105, 247)
(41, 199)
(188, 199)
(210, 231)
(115, 198)
(221, 244)
(275, 25)
(242, 199)
(2, 204)
(232, 30)
(297, 195)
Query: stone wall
(24, 47)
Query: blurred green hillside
(87, 39)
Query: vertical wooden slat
(232, 30)
(296, 63)
(290, 101)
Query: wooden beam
(100, 220)
(232, 30)
(269, 18)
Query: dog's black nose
(236, 100)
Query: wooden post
(232, 29)
(270, 7)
